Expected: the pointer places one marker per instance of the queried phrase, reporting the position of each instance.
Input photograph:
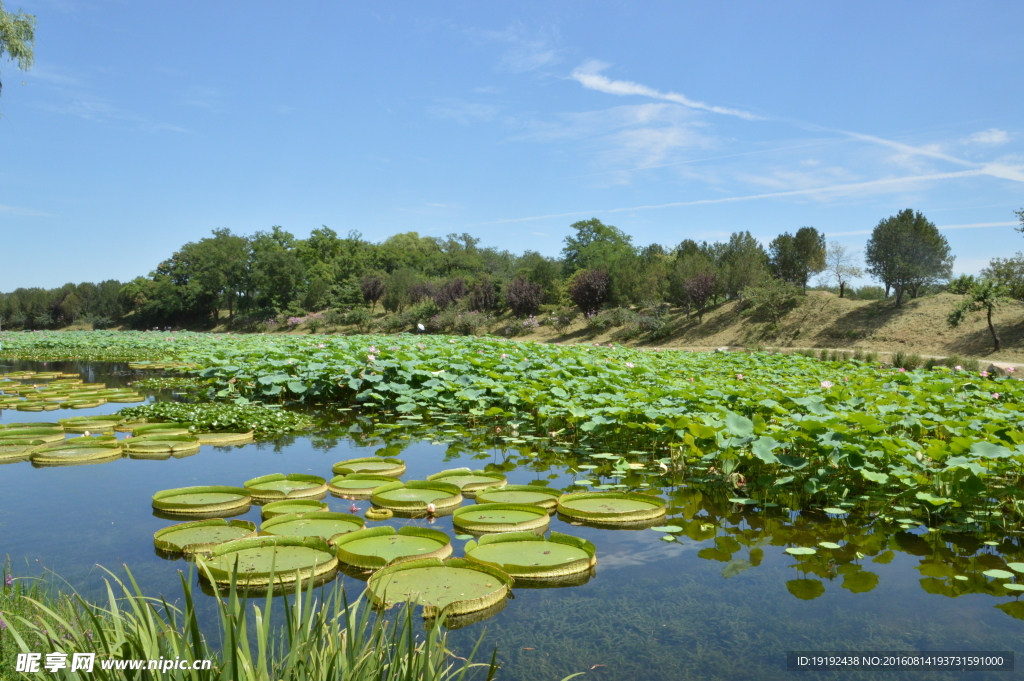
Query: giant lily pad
(414, 495)
(161, 444)
(46, 434)
(377, 547)
(160, 429)
(469, 481)
(454, 586)
(212, 499)
(12, 451)
(278, 486)
(91, 424)
(357, 485)
(371, 464)
(526, 554)
(200, 536)
(519, 494)
(70, 455)
(260, 559)
(324, 524)
(218, 439)
(500, 518)
(276, 508)
(611, 507)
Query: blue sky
(145, 125)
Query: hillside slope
(823, 320)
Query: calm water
(723, 602)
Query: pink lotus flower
(353, 509)
(691, 379)
(371, 358)
(958, 368)
(902, 370)
(431, 509)
(451, 341)
(86, 433)
(1010, 370)
(630, 365)
(995, 396)
(373, 349)
(739, 377)
(321, 346)
(827, 384)
(984, 374)
(503, 355)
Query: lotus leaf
(282, 559)
(470, 482)
(519, 494)
(160, 443)
(414, 495)
(379, 513)
(73, 456)
(217, 439)
(324, 524)
(611, 507)
(1014, 587)
(1016, 567)
(667, 528)
(829, 545)
(357, 485)
(201, 499)
(526, 554)
(372, 464)
(454, 586)
(161, 429)
(92, 424)
(12, 451)
(278, 486)
(292, 506)
(200, 536)
(801, 551)
(500, 518)
(998, 574)
(377, 547)
(44, 434)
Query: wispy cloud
(463, 112)
(589, 76)
(992, 136)
(885, 185)
(24, 211)
(527, 49)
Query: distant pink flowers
(1010, 370)
(353, 509)
(371, 358)
(995, 396)
(630, 365)
(321, 346)
(958, 368)
(10, 580)
(827, 384)
(503, 355)
(373, 350)
(984, 374)
(739, 377)
(902, 370)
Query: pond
(711, 594)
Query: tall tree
(17, 38)
(985, 295)
(795, 257)
(840, 267)
(906, 252)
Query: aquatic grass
(323, 637)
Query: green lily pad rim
(244, 499)
(542, 518)
(171, 547)
(341, 467)
(457, 607)
(454, 500)
(269, 511)
(221, 576)
(659, 505)
(266, 528)
(376, 562)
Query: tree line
(272, 273)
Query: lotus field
(761, 424)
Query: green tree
(740, 263)
(795, 257)
(595, 245)
(985, 295)
(1020, 214)
(906, 252)
(1009, 272)
(17, 38)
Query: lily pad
(223, 439)
(377, 547)
(414, 495)
(372, 464)
(1016, 567)
(1014, 587)
(829, 545)
(91, 424)
(201, 536)
(834, 511)
(12, 451)
(161, 429)
(160, 443)
(278, 486)
(998, 574)
(209, 499)
(259, 558)
(73, 456)
(454, 586)
(278, 508)
(470, 482)
(519, 494)
(500, 518)
(313, 524)
(611, 507)
(667, 528)
(46, 434)
(357, 485)
(527, 554)
(801, 551)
